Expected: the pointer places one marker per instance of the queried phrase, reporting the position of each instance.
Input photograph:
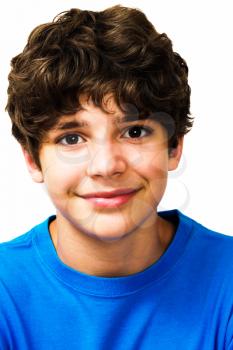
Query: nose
(106, 160)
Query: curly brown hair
(115, 51)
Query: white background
(202, 186)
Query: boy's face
(105, 156)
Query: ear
(175, 155)
(33, 169)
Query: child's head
(116, 51)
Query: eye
(70, 139)
(135, 131)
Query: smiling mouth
(108, 194)
(111, 202)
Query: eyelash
(147, 129)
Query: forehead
(70, 122)
(109, 108)
(87, 111)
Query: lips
(110, 194)
(111, 202)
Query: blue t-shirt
(184, 301)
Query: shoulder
(211, 248)
(17, 253)
(213, 239)
(204, 247)
(199, 231)
(15, 257)
(17, 243)
(195, 229)
(13, 254)
(19, 264)
(24, 240)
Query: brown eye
(71, 139)
(136, 130)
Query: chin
(108, 238)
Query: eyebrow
(120, 120)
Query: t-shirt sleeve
(229, 333)
(230, 345)
(4, 345)
(4, 342)
(12, 334)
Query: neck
(131, 254)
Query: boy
(108, 271)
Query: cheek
(153, 167)
(153, 164)
(61, 178)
